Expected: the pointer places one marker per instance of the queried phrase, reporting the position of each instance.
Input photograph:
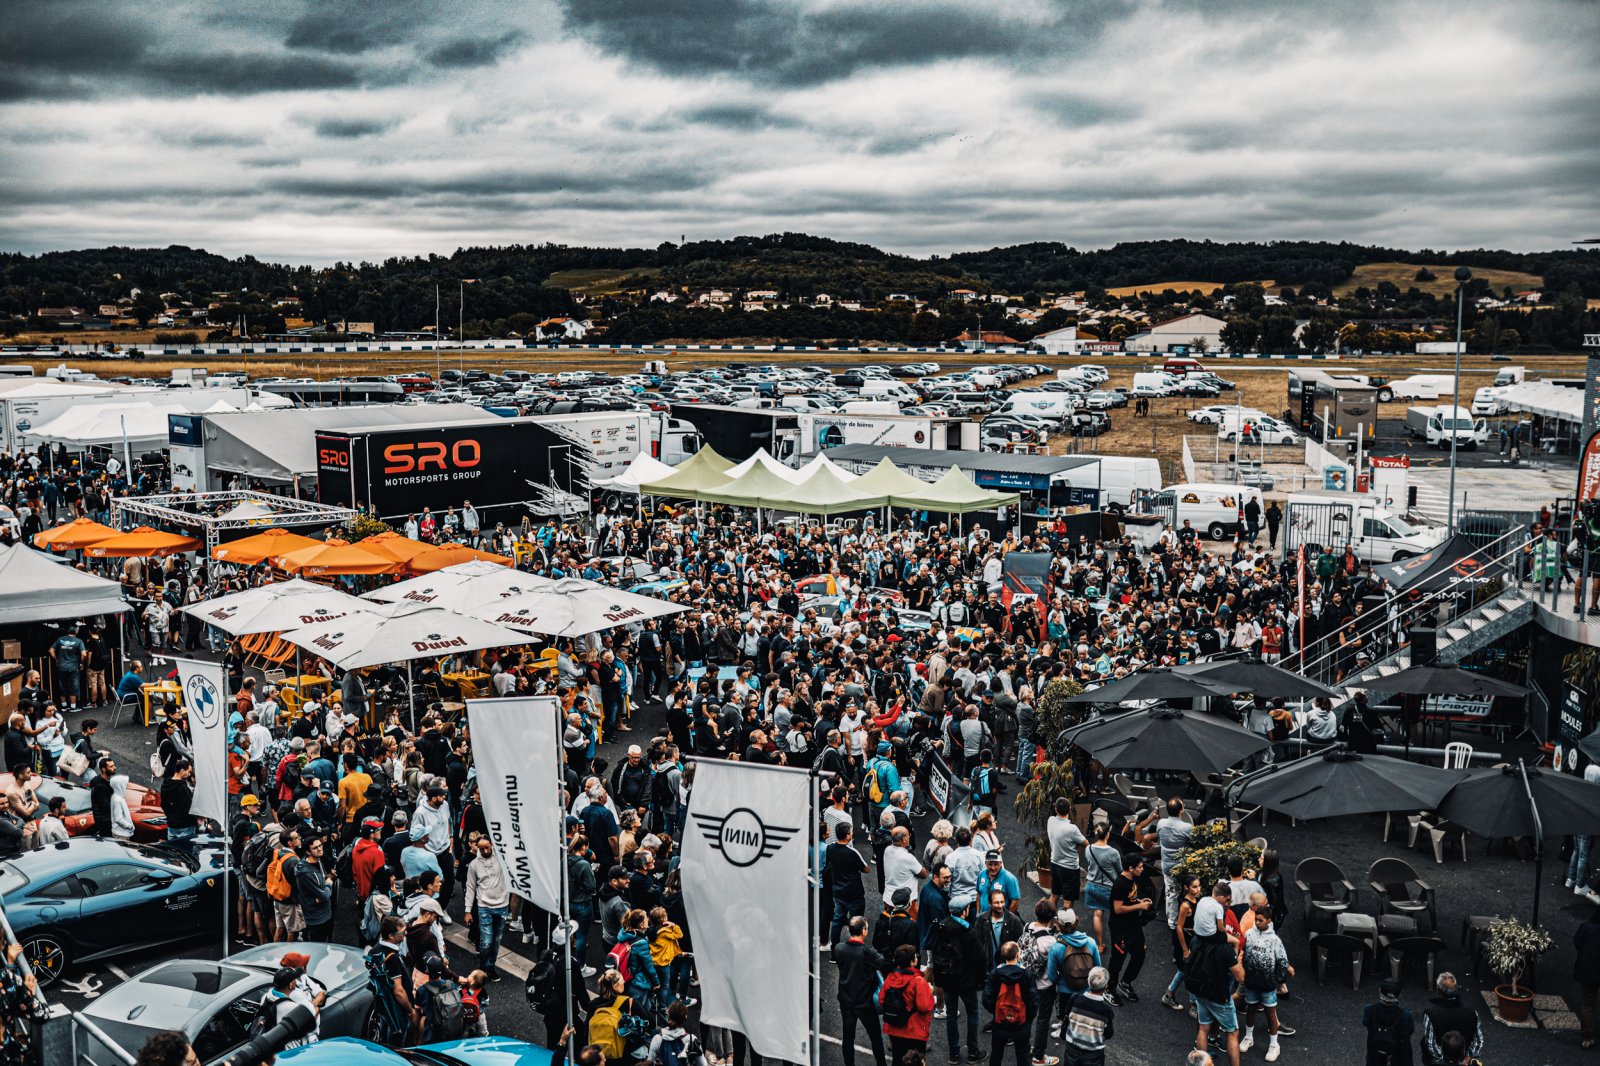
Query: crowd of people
(345, 820)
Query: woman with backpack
(611, 1025)
(905, 1003)
(631, 958)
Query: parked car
(92, 899)
(473, 1051)
(213, 1003)
(149, 821)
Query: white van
(1214, 509)
(1264, 429)
(869, 407)
(803, 402)
(889, 389)
(1121, 480)
(1337, 519)
(1055, 405)
(1154, 383)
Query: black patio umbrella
(1590, 745)
(1157, 684)
(1164, 738)
(1442, 681)
(1257, 678)
(1339, 782)
(1519, 801)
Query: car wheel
(1401, 556)
(47, 954)
(1218, 531)
(1230, 436)
(1385, 395)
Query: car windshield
(11, 879)
(48, 788)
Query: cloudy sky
(354, 129)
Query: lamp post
(1463, 275)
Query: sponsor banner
(1574, 724)
(514, 746)
(746, 871)
(1589, 470)
(204, 688)
(1457, 706)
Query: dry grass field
(1404, 275)
(599, 282)
(1207, 287)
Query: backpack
(1075, 967)
(895, 1007)
(280, 883)
(620, 959)
(1009, 1006)
(471, 1008)
(1383, 1037)
(446, 1012)
(267, 1015)
(944, 954)
(256, 855)
(157, 767)
(1207, 977)
(344, 867)
(873, 788)
(1032, 959)
(684, 1051)
(544, 980)
(983, 787)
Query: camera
(293, 1025)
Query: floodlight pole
(1463, 275)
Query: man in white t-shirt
(901, 869)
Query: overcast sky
(358, 129)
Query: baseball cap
(371, 823)
(418, 831)
(249, 800)
(992, 856)
(962, 902)
(297, 959)
(1389, 991)
(884, 748)
(1067, 916)
(433, 966)
(901, 897)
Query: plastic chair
(132, 703)
(1136, 795)
(1323, 887)
(1401, 891)
(1446, 832)
(1457, 755)
(1414, 822)
(1424, 949)
(1336, 945)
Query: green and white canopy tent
(703, 470)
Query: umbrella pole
(1538, 839)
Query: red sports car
(149, 822)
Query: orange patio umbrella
(78, 533)
(259, 547)
(449, 555)
(334, 558)
(392, 545)
(143, 542)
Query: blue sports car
(473, 1051)
(89, 899)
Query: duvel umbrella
(1340, 782)
(1163, 738)
(1157, 684)
(1442, 681)
(1257, 678)
(1523, 801)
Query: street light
(1463, 275)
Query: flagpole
(565, 916)
(816, 930)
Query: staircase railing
(1448, 604)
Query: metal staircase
(1484, 624)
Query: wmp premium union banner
(745, 867)
(514, 746)
(204, 688)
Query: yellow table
(307, 683)
(468, 679)
(162, 689)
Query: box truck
(737, 433)
(1437, 425)
(1122, 480)
(545, 463)
(1336, 519)
(1511, 375)
(820, 431)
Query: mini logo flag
(746, 867)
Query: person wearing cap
(957, 964)
(883, 777)
(306, 991)
(995, 877)
(280, 999)
(433, 814)
(1389, 1027)
(366, 856)
(897, 924)
(417, 856)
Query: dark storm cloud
(351, 27)
(486, 184)
(474, 51)
(352, 128)
(739, 117)
(784, 44)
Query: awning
(756, 487)
(825, 492)
(764, 460)
(955, 494)
(703, 470)
(33, 588)
(143, 543)
(643, 468)
(1457, 565)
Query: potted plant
(1052, 777)
(1210, 847)
(1513, 947)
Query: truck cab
(1336, 519)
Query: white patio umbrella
(400, 632)
(275, 607)
(573, 607)
(461, 586)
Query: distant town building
(1059, 341)
(1185, 331)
